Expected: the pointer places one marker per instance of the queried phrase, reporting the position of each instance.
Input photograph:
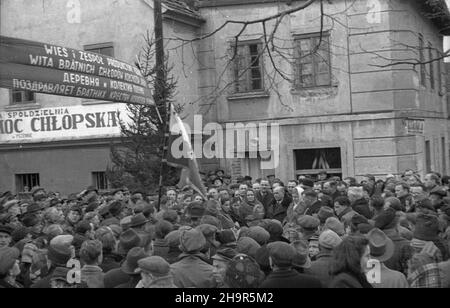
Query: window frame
(22, 103)
(423, 73)
(248, 78)
(21, 182)
(92, 47)
(432, 76)
(95, 177)
(326, 35)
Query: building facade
(347, 110)
(54, 154)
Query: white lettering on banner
(73, 65)
(74, 13)
(41, 61)
(81, 79)
(77, 122)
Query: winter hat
(226, 237)
(170, 216)
(173, 238)
(394, 203)
(329, 239)
(308, 223)
(260, 235)
(211, 220)
(282, 254)
(243, 272)
(335, 225)
(248, 246)
(427, 227)
(192, 240)
(162, 228)
(19, 234)
(325, 212)
(386, 219)
(59, 254)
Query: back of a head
(346, 258)
(106, 236)
(91, 251)
(162, 228)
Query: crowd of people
(244, 233)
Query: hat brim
(390, 249)
(138, 224)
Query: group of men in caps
(243, 233)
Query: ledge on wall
(248, 95)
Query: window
(444, 158)
(312, 161)
(100, 181)
(422, 60)
(248, 70)
(428, 156)
(106, 49)
(430, 54)
(313, 66)
(22, 97)
(25, 182)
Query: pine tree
(136, 162)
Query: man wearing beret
(155, 274)
(281, 259)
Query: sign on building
(414, 126)
(62, 123)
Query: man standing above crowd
(265, 196)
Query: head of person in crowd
(341, 204)
(213, 194)
(192, 241)
(38, 193)
(91, 253)
(402, 190)
(256, 187)
(328, 241)
(430, 181)
(5, 236)
(309, 197)
(322, 176)
(218, 182)
(437, 197)
(342, 188)
(292, 184)
(355, 193)
(9, 264)
(264, 186)
(74, 215)
(198, 198)
(350, 181)
(330, 188)
(351, 258)
(376, 204)
(243, 190)
(412, 179)
(243, 272)
(279, 193)
(171, 195)
(155, 273)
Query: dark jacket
(289, 279)
(398, 262)
(314, 208)
(361, 206)
(279, 210)
(131, 283)
(349, 281)
(110, 262)
(266, 200)
(320, 268)
(114, 278)
(193, 271)
(161, 248)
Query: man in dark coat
(265, 196)
(281, 258)
(281, 203)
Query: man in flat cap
(155, 274)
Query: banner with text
(51, 69)
(62, 123)
(55, 82)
